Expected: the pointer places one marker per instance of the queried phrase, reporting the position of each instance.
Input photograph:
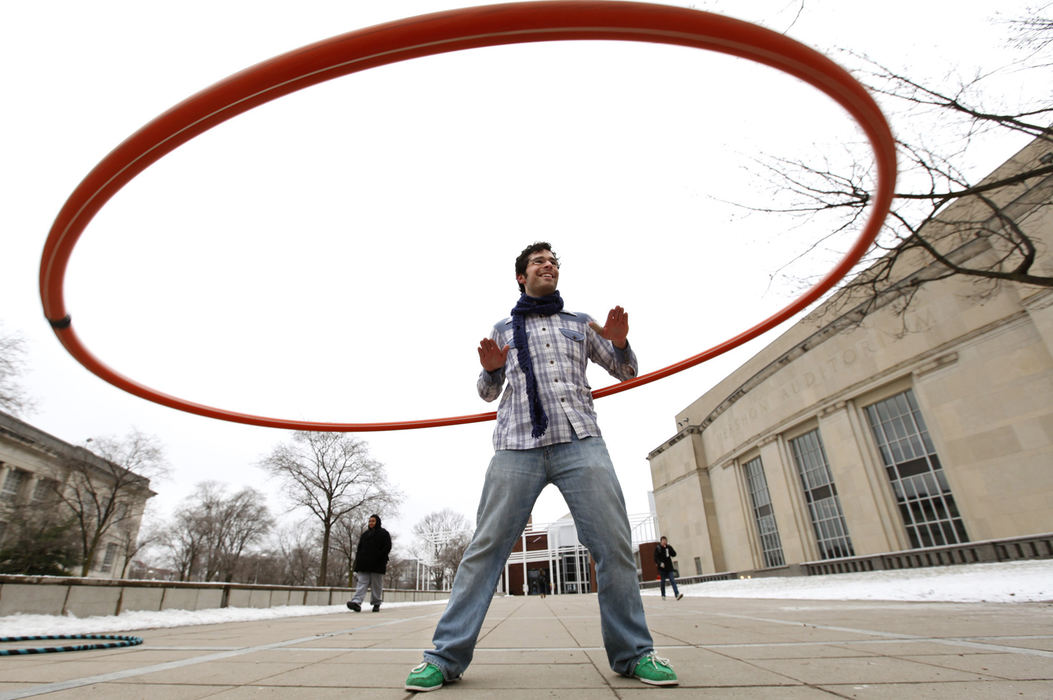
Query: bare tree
(332, 475)
(134, 540)
(213, 529)
(442, 537)
(246, 520)
(13, 397)
(449, 558)
(232, 524)
(105, 484)
(184, 540)
(924, 239)
(1033, 33)
(295, 556)
(344, 541)
(402, 572)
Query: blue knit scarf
(542, 306)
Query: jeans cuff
(445, 672)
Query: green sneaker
(655, 670)
(425, 677)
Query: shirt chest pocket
(573, 347)
(573, 344)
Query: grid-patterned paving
(531, 648)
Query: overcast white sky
(337, 255)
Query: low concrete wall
(1011, 549)
(88, 597)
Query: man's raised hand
(491, 356)
(616, 329)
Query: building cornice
(31, 437)
(854, 316)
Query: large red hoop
(437, 33)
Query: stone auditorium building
(41, 474)
(851, 435)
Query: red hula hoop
(437, 33)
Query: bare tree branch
(442, 537)
(13, 397)
(331, 475)
(104, 486)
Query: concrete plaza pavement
(533, 648)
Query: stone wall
(87, 597)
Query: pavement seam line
(901, 636)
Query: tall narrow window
(13, 484)
(771, 545)
(914, 471)
(828, 520)
(44, 489)
(575, 570)
(111, 554)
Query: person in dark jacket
(371, 563)
(663, 557)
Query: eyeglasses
(541, 261)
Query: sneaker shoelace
(657, 660)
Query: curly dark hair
(521, 261)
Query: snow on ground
(24, 625)
(1011, 582)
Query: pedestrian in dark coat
(663, 557)
(371, 563)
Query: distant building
(36, 468)
(568, 567)
(846, 438)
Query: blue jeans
(668, 573)
(583, 472)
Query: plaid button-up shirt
(561, 346)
